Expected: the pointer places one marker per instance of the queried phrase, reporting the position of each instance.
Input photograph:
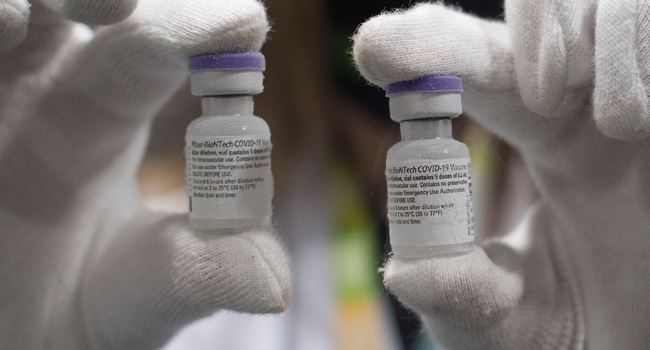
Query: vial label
(430, 202)
(229, 177)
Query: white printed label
(229, 177)
(430, 202)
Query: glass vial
(228, 149)
(430, 210)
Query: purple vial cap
(431, 83)
(230, 61)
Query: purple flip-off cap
(431, 83)
(231, 61)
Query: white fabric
(565, 82)
(82, 264)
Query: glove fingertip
(14, 18)
(424, 40)
(622, 116)
(470, 285)
(620, 99)
(232, 26)
(245, 272)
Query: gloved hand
(566, 83)
(83, 265)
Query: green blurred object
(354, 246)
(360, 321)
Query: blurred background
(330, 132)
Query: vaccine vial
(228, 149)
(430, 211)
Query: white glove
(565, 82)
(83, 265)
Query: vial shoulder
(427, 149)
(236, 125)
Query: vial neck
(227, 105)
(429, 128)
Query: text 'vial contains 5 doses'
(228, 149)
(429, 174)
